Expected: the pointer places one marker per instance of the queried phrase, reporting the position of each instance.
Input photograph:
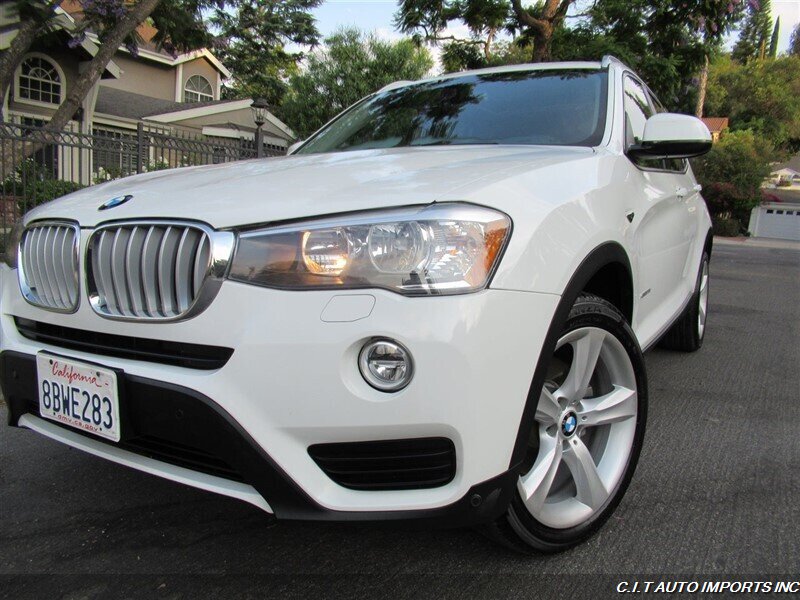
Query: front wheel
(588, 432)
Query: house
(176, 95)
(785, 177)
(716, 125)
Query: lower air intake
(410, 464)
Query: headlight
(438, 249)
(12, 241)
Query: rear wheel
(687, 333)
(588, 431)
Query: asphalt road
(717, 493)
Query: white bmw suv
(435, 308)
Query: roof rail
(395, 84)
(608, 59)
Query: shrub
(726, 227)
(733, 171)
(34, 185)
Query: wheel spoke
(548, 410)
(618, 405)
(535, 486)
(591, 490)
(586, 351)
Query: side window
(637, 110)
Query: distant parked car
(434, 309)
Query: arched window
(197, 89)
(40, 80)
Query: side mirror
(294, 146)
(669, 135)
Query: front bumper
(293, 382)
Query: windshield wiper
(456, 142)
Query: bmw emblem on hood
(115, 202)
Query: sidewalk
(757, 242)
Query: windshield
(544, 107)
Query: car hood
(291, 187)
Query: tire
(579, 439)
(687, 333)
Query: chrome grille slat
(48, 270)
(134, 271)
(201, 260)
(149, 274)
(69, 263)
(119, 270)
(148, 270)
(38, 256)
(57, 258)
(184, 267)
(103, 272)
(166, 271)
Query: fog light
(385, 365)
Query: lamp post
(260, 109)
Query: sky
(377, 15)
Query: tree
(253, 41)
(667, 42)
(773, 42)
(34, 18)
(117, 23)
(179, 24)
(540, 22)
(794, 45)
(429, 20)
(350, 66)
(763, 96)
(460, 57)
(754, 37)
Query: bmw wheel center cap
(569, 424)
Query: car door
(664, 227)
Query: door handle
(681, 192)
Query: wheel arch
(709, 243)
(604, 265)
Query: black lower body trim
(194, 428)
(180, 354)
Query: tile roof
(716, 123)
(119, 103)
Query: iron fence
(37, 165)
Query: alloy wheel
(585, 423)
(703, 301)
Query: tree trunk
(487, 47)
(91, 74)
(701, 92)
(11, 58)
(27, 31)
(542, 45)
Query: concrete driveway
(717, 493)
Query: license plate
(78, 394)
